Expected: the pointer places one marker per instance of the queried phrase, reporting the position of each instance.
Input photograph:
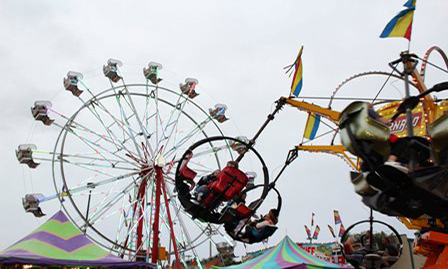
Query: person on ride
(202, 190)
(374, 115)
(352, 250)
(237, 224)
(256, 230)
(366, 241)
(395, 143)
(390, 252)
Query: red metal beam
(155, 244)
(173, 237)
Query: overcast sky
(236, 49)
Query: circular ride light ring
(346, 233)
(183, 188)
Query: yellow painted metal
(334, 149)
(324, 112)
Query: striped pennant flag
(312, 125)
(337, 217)
(316, 232)
(331, 231)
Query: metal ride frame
(432, 244)
(138, 156)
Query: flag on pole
(312, 125)
(341, 230)
(401, 24)
(337, 217)
(312, 220)
(331, 231)
(316, 232)
(410, 3)
(297, 80)
(308, 232)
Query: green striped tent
(58, 242)
(286, 255)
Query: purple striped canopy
(286, 255)
(58, 242)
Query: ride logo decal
(399, 125)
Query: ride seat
(363, 127)
(256, 236)
(243, 211)
(185, 171)
(231, 181)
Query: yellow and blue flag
(401, 24)
(297, 80)
(410, 3)
(312, 125)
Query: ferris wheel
(114, 160)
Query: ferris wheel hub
(160, 160)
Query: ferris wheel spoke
(100, 137)
(119, 124)
(96, 102)
(149, 94)
(124, 119)
(99, 211)
(134, 222)
(95, 147)
(87, 156)
(92, 164)
(159, 122)
(180, 108)
(143, 129)
(101, 183)
(198, 128)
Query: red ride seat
(185, 171)
(243, 211)
(231, 180)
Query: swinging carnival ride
(140, 166)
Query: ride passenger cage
(238, 147)
(152, 72)
(31, 204)
(218, 113)
(189, 87)
(111, 70)
(71, 83)
(24, 154)
(356, 117)
(40, 112)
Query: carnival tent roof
(286, 255)
(58, 242)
